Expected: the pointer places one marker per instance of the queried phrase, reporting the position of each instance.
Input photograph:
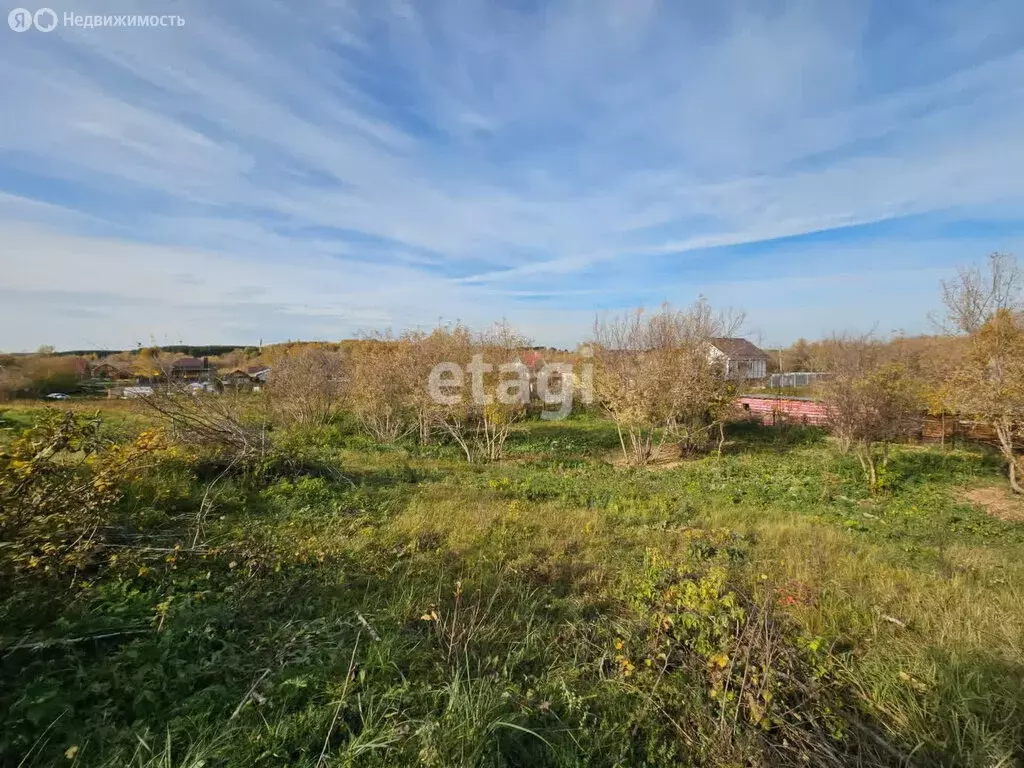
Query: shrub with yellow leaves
(703, 624)
(59, 484)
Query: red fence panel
(775, 410)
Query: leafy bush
(59, 486)
(749, 662)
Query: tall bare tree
(976, 294)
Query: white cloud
(391, 162)
(75, 291)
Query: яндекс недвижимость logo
(22, 19)
(46, 20)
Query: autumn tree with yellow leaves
(988, 385)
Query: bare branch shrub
(655, 374)
(383, 379)
(451, 416)
(219, 425)
(480, 420)
(36, 375)
(215, 422)
(424, 353)
(510, 382)
(307, 385)
(12, 380)
(872, 402)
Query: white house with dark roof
(739, 358)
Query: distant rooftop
(734, 347)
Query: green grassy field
(393, 605)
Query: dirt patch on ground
(998, 501)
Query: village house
(190, 368)
(739, 358)
(112, 372)
(259, 374)
(238, 380)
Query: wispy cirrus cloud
(387, 163)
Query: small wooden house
(190, 368)
(112, 372)
(237, 380)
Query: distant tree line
(653, 377)
(191, 350)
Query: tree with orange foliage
(988, 385)
(383, 378)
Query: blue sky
(299, 169)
